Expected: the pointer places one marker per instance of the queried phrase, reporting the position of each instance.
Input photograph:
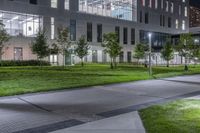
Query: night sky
(195, 3)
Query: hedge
(24, 63)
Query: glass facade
(73, 30)
(17, 24)
(158, 39)
(121, 9)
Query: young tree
(82, 49)
(196, 53)
(185, 47)
(4, 37)
(63, 42)
(139, 51)
(112, 47)
(167, 52)
(40, 46)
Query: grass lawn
(182, 116)
(20, 80)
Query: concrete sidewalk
(126, 123)
(47, 112)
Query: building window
(52, 28)
(162, 4)
(99, 32)
(53, 59)
(66, 4)
(73, 30)
(167, 6)
(180, 9)
(143, 2)
(21, 24)
(172, 7)
(125, 35)
(104, 57)
(169, 22)
(89, 32)
(121, 9)
(183, 25)
(129, 57)
(158, 39)
(150, 3)
(186, 12)
(18, 53)
(163, 21)
(132, 36)
(54, 3)
(156, 4)
(121, 57)
(177, 24)
(94, 56)
(33, 2)
(141, 16)
(117, 31)
(146, 18)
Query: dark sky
(195, 3)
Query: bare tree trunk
(82, 64)
(111, 63)
(186, 65)
(115, 63)
(168, 63)
(63, 59)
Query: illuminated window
(17, 24)
(186, 12)
(121, 9)
(183, 25)
(53, 59)
(52, 28)
(177, 24)
(66, 4)
(54, 3)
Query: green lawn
(20, 80)
(181, 116)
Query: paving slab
(194, 79)
(17, 115)
(126, 123)
(85, 104)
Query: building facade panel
(156, 16)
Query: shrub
(24, 63)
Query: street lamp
(150, 67)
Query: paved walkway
(54, 111)
(126, 123)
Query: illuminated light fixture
(29, 19)
(15, 18)
(1, 15)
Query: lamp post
(150, 67)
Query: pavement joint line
(179, 81)
(133, 108)
(52, 127)
(34, 105)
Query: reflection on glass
(121, 9)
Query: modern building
(194, 17)
(132, 20)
